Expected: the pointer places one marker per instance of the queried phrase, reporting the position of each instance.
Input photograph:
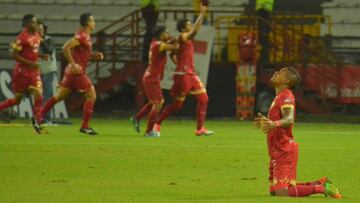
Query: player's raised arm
(68, 46)
(15, 48)
(199, 21)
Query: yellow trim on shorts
(182, 98)
(198, 91)
(287, 106)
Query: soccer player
(186, 80)
(78, 51)
(282, 148)
(26, 74)
(151, 80)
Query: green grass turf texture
(121, 166)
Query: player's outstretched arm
(199, 21)
(97, 56)
(14, 52)
(70, 44)
(168, 46)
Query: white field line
(173, 145)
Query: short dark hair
(294, 78)
(181, 24)
(158, 31)
(27, 19)
(84, 18)
(40, 22)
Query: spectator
(150, 13)
(48, 65)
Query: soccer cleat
(88, 131)
(152, 134)
(332, 191)
(203, 131)
(37, 127)
(156, 128)
(323, 180)
(136, 124)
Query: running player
(78, 51)
(186, 80)
(151, 80)
(26, 74)
(282, 148)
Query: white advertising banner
(202, 47)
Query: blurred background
(250, 40)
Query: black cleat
(37, 127)
(88, 131)
(136, 124)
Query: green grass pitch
(121, 166)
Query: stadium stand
(345, 27)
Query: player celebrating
(26, 74)
(186, 80)
(78, 51)
(151, 80)
(283, 150)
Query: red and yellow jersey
(82, 53)
(185, 58)
(157, 62)
(28, 45)
(280, 139)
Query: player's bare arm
(266, 125)
(168, 46)
(14, 52)
(75, 68)
(97, 56)
(173, 57)
(199, 21)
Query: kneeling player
(283, 149)
(78, 52)
(151, 80)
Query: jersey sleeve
(81, 38)
(286, 101)
(19, 43)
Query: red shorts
(186, 84)
(153, 91)
(21, 81)
(283, 168)
(80, 82)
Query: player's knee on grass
(281, 192)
